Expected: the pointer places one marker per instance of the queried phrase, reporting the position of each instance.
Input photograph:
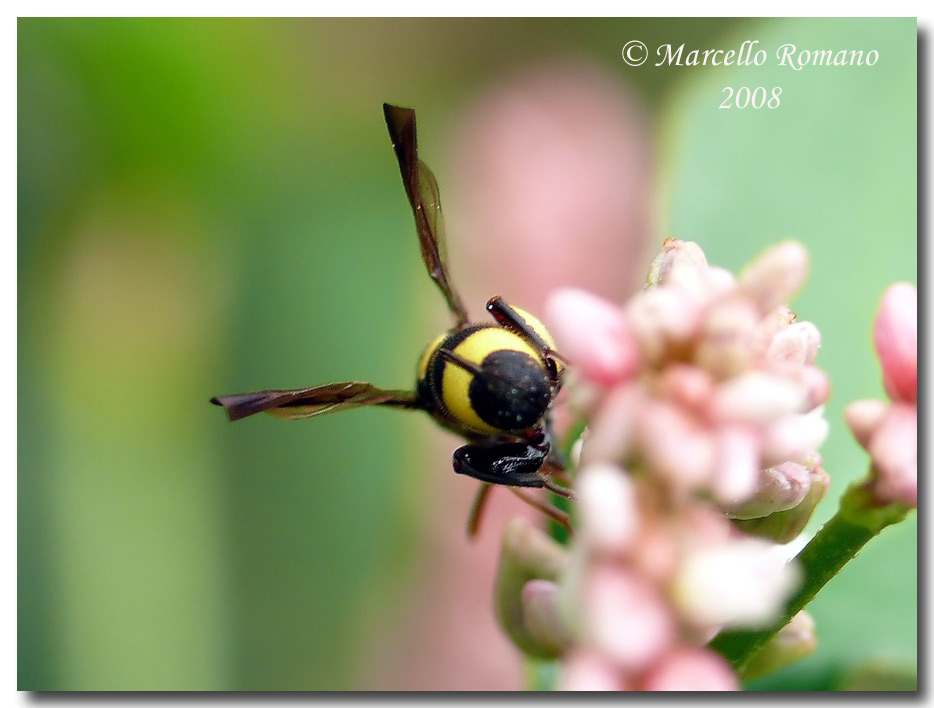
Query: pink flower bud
(795, 345)
(737, 466)
(656, 555)
(527, 554)
(661, 319)
(770, 324)
(675, 253)
(689, 463)
(778, 488)
(719, 282)
(817, 384)
(625, 617)
(593, 334)
(794, 437)
(587, 670)
(863, 417)
(757, 398)
(785, 526)
(541, 614)
(689, 386)
(775, 275)
(725, 343)
(690, 668)
(690, 283)
(894, 452)
(612, 426)
(895, 333)
(608, 510)
(742, 583)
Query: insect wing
(430, 195)
(421, 187)
(295, 404)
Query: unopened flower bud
(894, 452)
(736, 471)
(542, 619)
(689, 463)
(863, 417)
(778, 488)
(895, 334)
(689, 386)
(662, 319)
(690, 283)
(794, 437)
(588, 670)
(607, 502)
(757, 398)
(612, 426)
(793, 642)
(795, 345)
(719, 281)
(773, 277)
(724, 347)
(625, 617)
(817, 384)
(675, 253)
(741, 583)
(784, 526)
(527, 554)
(770, 324)
(593, 334)
(690, 668)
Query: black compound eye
(512, 390)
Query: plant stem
(858, 519)
(541, 674)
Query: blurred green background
(211, 206)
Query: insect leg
(551, 512)
(476, 511)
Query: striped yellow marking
(539, 328)
(426, 355)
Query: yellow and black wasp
(492, 383)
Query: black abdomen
(512, 392)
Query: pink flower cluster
(889, 431)
(703, 404)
